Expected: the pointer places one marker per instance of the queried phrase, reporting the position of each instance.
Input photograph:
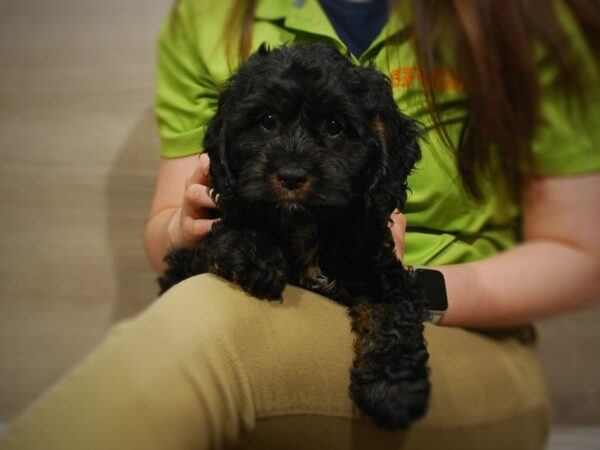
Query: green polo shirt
(444, 225)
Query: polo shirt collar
(396, 24)
(307, 16)
(301, 15)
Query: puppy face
(302, 129)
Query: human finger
(397, 226)
(194, 230)
(197, 201)
(200, 174)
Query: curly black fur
(309, 156)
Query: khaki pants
(207, 366)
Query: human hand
(192, 221)
(398, 227)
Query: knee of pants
(204, 319)
(204, 310)
(274, 350)
(207, 311)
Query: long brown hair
(492, 45)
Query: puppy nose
(292, 178)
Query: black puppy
(309, 156)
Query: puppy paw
(392, 400)
(251, 261)
(267, 283)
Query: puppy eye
(268, 122)
(333, 127)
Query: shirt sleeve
(567, 141)
(185, 96)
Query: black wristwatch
(432, 284)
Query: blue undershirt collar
(356, 24)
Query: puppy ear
(215, 145)
(397, 136)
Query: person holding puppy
(504, 203)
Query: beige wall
(78, 153)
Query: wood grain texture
(78, 152)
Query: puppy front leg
(248, 258)
(389, 377)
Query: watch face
(434, 287)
